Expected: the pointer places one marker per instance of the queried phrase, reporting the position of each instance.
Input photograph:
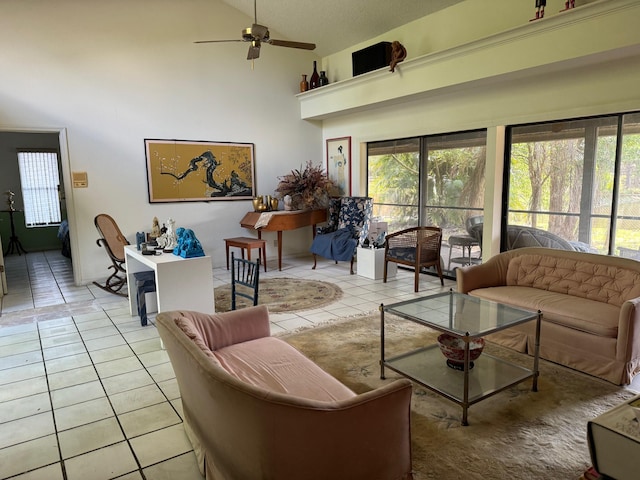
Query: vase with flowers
(308, 187)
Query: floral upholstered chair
(347, 227)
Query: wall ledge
(586, 35)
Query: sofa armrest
(628, 343)
(220, 330)
(367, 436)
(478, 276)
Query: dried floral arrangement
(309, 187)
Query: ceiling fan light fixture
(254, 50)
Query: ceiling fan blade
(287, 43)
(218, 41)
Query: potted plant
(308, 188)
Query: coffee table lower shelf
(427, 367)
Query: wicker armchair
(417, 247)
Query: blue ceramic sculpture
(188, 245)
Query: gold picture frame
(339, 164)
(196, 171)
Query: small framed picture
(339, 164)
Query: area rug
(284, 295)
(515, 434)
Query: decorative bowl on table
(452, 347)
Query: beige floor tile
(161, 445)
(88, 317)
(70, 362)
(170, 388)
(69, 378)
(64, 351)
(101, 332)
(103, 464)
(21, 347)
(162, 372)
(118, 367)
(156, 357)
(28, 456)
(92, 436)
(82, 413)
(17, 374)
(18, 338)
(24, 407)
(25, 429)
(107, 342)
(147, 333)
(132, 476)
(137, 398)
(112, 353)
(75, 394)
(184, 467)
(58, 330)
(127, 381)
(58, 340)
(148, 419)
(146, 346)
(97, 323)
(20, 360)
(50, 472)
(23, 388)
(177, 404)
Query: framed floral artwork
(195, 171)
(339, 164)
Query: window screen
(40, 180)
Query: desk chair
(244, 274)
(145, 283)
(113, 242)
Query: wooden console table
(283, 220)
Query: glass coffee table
(466, 317)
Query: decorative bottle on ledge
(323, 80)
(315, 78)
(304, 85)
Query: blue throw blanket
(339, 245)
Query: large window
(575, 184)
(432, 180)
(40, 181)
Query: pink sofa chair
(256, 408)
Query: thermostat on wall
(80, 180)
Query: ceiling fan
(258, 34)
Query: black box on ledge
(371, 58)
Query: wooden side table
(248, 243)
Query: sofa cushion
(590, 316)
(602, 283)
(275, 365)
(195, 334)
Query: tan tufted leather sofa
(590, 305)
(256, 408)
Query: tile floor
(87, 393)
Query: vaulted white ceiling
(334, 25)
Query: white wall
(110, 74)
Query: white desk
(181, 283)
